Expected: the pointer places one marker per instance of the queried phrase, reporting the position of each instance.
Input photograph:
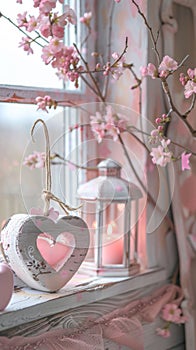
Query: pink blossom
(36, 3)
(109, 124)
(45, 6)
(22, 19)
(47, 55)
(168, 64)
(35, 160)
(190, 88)
(165, 143)
(86, 18)
(185, 161)
(69, 14)
(114, 123)
(158, 120)
(55, 45)
(163, 332)
(171, 313)
(152, 70)
(154, 133)
(98, 126)
(143, 71)
(160, 156)
(45, 30)
(32, 24)
(155, 136)
(112, 130)
(191, 73)
(19, 1)
(117, 68)
(99, 131)
(66, 61)
(183, 79)
(26, 45)
(43, 102)
(58, 31)
(160, 128)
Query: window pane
(18, 68)
(20, 187)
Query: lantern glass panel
(113, 233)
(88, 213)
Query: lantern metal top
(109, 167)
(109, 185)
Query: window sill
(28, 305)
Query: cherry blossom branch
(88, 84)
(22, 31)
(164, 79)
(56, 155)
(191, 106)
(87, 36)
(167, 90)
(107, 78)
(122, 54)
(99, 94)
(173, 107)
(113, 65)
(138, 80)
(151, 199)
(183, 147)
(149, 135)
(138, 85)
(153, 38)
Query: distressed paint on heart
(19, 237)
(56, 251)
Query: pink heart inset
(56, 252)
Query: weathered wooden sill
(28, 305)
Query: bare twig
(182, 62)
(22, 31)
(87, 36)
(191, 106)
(88, 84)
(107, 78)
(138, 81)
(153, 38)
(56, 155)
(150, 198)
(174, 108)
(147, 134)
(98, 91)
(164, 80)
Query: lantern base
(110, 270)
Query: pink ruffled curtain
(123, 326)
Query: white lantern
(110, 208)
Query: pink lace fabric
(123, 326)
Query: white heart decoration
(43, 253)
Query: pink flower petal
(185, 161)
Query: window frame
(27, 94)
